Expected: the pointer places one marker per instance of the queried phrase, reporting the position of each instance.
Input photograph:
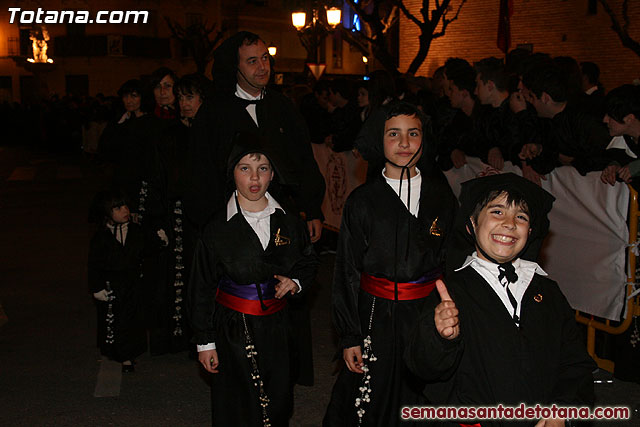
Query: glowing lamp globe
(298, 19)
(333, 16)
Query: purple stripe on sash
(249, 292)
(428, 276)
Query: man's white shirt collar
(241, 93)
(251, 108)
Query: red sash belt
(384, 288)
(250, 306)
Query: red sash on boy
(257, 299)
(387, 289)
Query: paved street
(50, 369)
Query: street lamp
(312, 33)
(334, 16)
(298, 19)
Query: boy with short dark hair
(502, 333)
(251, 258)
(567, 137)
(622, 117)
(497, 129)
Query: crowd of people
(205, 236)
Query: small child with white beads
(115, 254)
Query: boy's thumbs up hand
(446, 314)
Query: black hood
(244, 143)
(475, 190)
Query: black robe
(379, 236)
(284, 129)
(492, 360)
(573, 134)
(459, 134)
(110, 261)
(126, 146)
(168, 271)
(232, 249)
(317, 118)
(345, 124)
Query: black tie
(507, 274)
(246, 102)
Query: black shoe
(128, 368)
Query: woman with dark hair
(122, 143)
(162, 81)
(131, 94)
(363, 99)
(165, 218)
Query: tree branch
(445, 21)
(391, 19)
(355, 41)
(626, 40)
(409, 15)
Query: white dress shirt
(260, 222)
(251, 108)
(416, 185)
(119, 231)
(489, 271)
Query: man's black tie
(246, 102)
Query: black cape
(110, 261)
(373, 218)
(232, 249)
(282, 127)
(492, 361)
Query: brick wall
(558, 27)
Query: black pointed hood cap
(246, 142)
(476, 190)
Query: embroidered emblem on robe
(280, 240)
(434, 230)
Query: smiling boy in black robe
(503, 333)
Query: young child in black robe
(502, 333)
(115, 255)
(250, 259)
(390, 253)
